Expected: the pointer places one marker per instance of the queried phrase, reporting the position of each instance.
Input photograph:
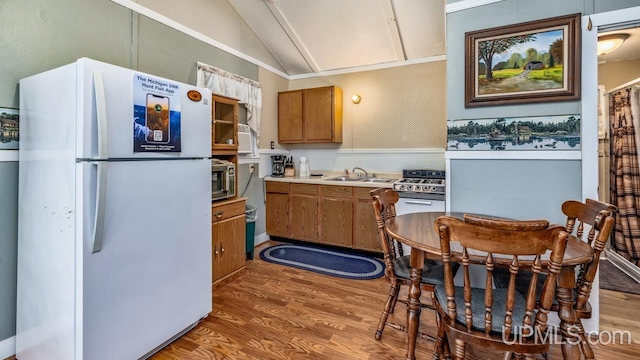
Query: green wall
(38, 35)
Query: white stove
(421, 184)
(420, 191)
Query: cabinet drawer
(363, 193)
(337, 191)
(277, 187)
(304, 189)
(226, 211)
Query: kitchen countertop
(330, 174)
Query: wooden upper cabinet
(224, 117)
(290, 117)
(310, 115)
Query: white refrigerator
(114, 233)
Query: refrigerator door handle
(101, 197)
(101, 114)
(101, 188)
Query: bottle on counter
(304, 167)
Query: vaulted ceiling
(297, 38)
(311, 36)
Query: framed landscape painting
(537, 61)
(9, 128)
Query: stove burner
(421, 181)
(417, 183)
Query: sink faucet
(366, 174)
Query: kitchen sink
(376, 180)
(370, 180)
(343, 178)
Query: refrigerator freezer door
(152, 277)
(117, 98)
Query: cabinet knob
(219, 214)
(215, 250)
(221, 248)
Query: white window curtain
(247, 91)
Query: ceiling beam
(271, 4)
(394, 29)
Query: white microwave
(245, 141)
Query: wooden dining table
(418, 231)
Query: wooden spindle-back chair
(397, 267)
(502, 318)
(598, 218)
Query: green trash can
(251, 214)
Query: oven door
(409, 205)
(413, 205)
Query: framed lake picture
(537, 61)
(9, 128)
(533, 133)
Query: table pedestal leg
(568, 320)
(413, 306)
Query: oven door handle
(419, 202)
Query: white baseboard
(261, 238)
(7, 347)
(623, 264)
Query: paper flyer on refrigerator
(156, 114)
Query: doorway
(615, 70)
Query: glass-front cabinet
(225, 123)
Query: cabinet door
(304, 217)
(229, 241)
(224, 135)
(366, 229)
(318, 114)
(277, 217)
(337, 221)
(290, 117)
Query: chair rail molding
(8, 155)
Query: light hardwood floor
(278, 312)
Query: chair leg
(584, 344)
(460, 350)
(439, 347)
(447, 350)
(393, 296)
(395, 299)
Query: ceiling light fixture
(609, 43)
(356, 99)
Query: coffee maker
(277, 165)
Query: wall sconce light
(609, 43)
(356, 99)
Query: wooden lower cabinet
(365, 233)
(277, 209)
(336, 220)
(304, 211)
(228, 228)
(328, 214)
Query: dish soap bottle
(304, 167)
